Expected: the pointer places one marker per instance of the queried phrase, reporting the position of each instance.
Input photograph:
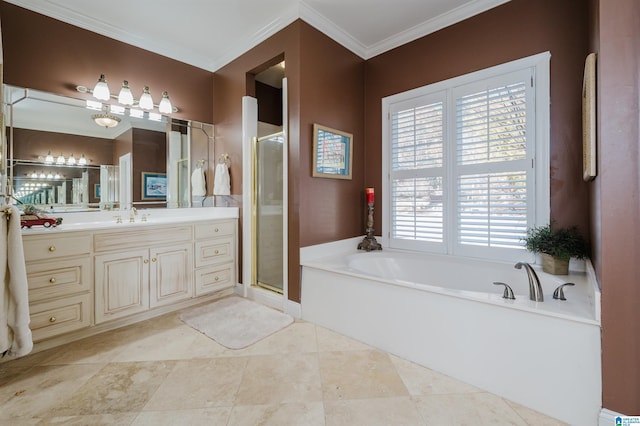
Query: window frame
(539, 214)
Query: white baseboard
(608, 417)
(294, 309)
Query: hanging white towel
(15, 335)
(221, 180)
(198, 183)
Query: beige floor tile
(359, 374)
(273, 379)
(158, 344)
(534, 418)
(330, 341)
(372, 412)
(199, 383)
(40, 388)
(292, 414)
(203, 416)
(420, 380)
(98, 349)
(118, 387)
(472, 409)
(120, 419)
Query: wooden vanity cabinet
(85, 279)
(135, 280)
(59, 280)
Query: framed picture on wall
(96, 190)
(154, 186)
(332, 153)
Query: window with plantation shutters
(460, 162)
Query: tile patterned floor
(162, 372)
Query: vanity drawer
(215, 229)
(213, 279)
(60, 316)
(213, 252)
(137, 237)
(39, 247)
(59, 278)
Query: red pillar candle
(370, 196)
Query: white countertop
(107, 219)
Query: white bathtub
(445, 313)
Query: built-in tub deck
(446, 314)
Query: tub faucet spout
(535, 290)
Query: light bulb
(125, 97)
(146, 101)
(48, 159)
(60, 159)
(165, 106)
(101, 91)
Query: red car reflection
(28, 220)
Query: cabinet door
(171, 274)
(122, 284)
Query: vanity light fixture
(71, 161)
(125, 97)
(60, 160)
(101, 89)
(105, 120)
(48, 159)
(82, 161)
(146, 101)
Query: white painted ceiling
(211, 33)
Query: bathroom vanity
(98, 271)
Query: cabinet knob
(52, 248)
(146, 261)
(216, 252)
(217, 278)
(52, 280)
(52, 319)
(215, 230)
(154, 259)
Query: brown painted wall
(320, 91)
(514, 30)
(616, 198)
(46, 54)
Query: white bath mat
(235, 322)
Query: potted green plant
(556, 246)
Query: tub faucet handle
(559, 293)
(508, 292)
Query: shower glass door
(268, 212)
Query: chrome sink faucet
(535, 290)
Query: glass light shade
(125, 97)
(165, 106)
(146, 101)
(101, 90)
(50, 176)
(82, 161)
(48, 159)
(57, 176)
(42, 175)
(72, 160)
(34, 175)
(105, 120)
(61, 159)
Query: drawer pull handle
(146, 261)
(217, 278)
(52, 248)
(154, 259)
(52, 319)
(52, 280)
(215, 230)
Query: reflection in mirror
(60, 158)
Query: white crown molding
(64, 14)
(247, 43)
(298, 10)
(454, 16)
(327, 27)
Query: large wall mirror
(61, 158)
